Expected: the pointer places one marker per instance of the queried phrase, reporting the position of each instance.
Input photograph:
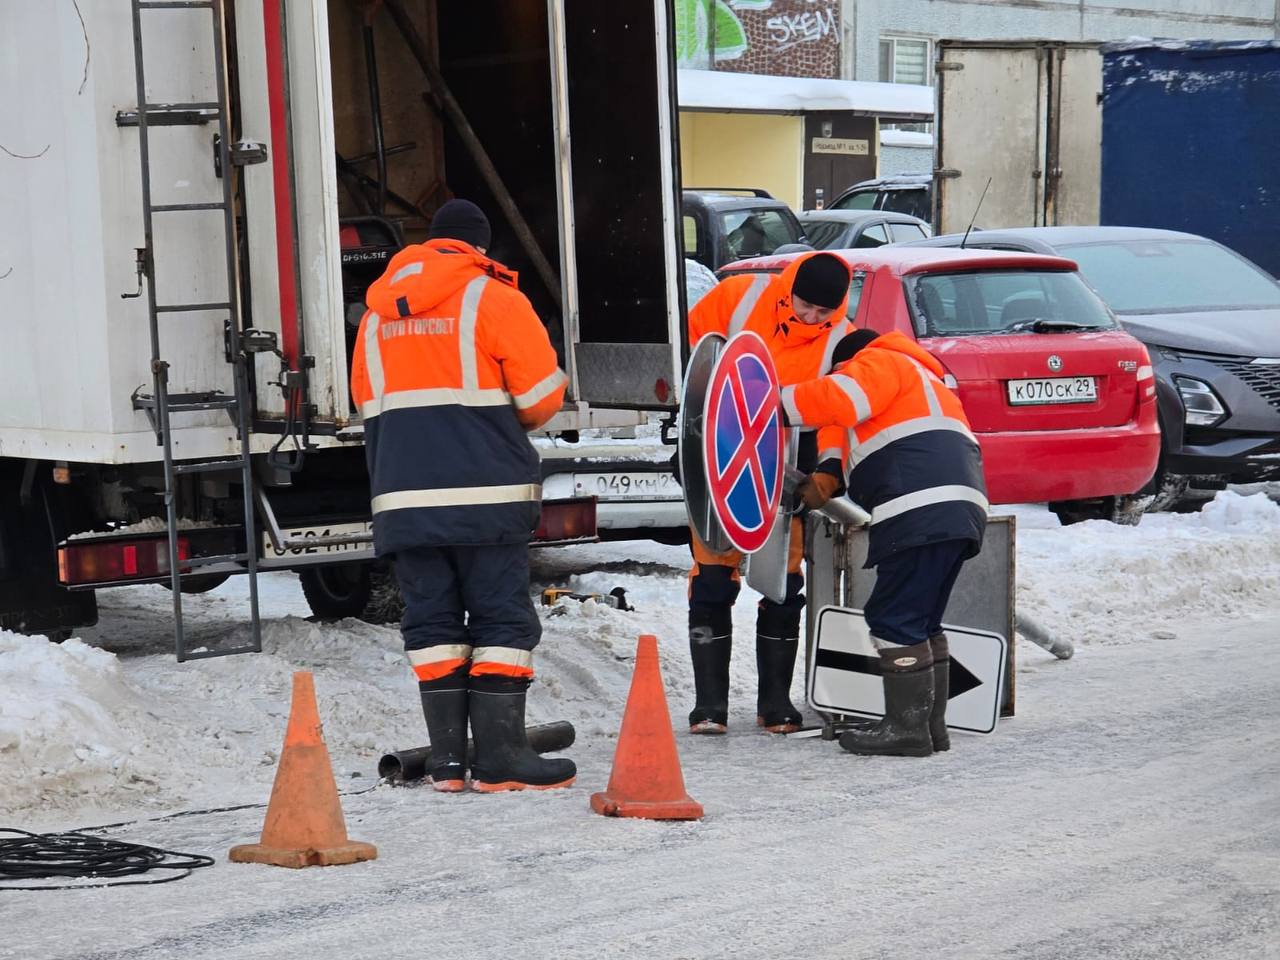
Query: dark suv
(905, 193)
(722, 225)
(1211, 322)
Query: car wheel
(1124, 510)
(1167, 491)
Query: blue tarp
(1191, 141)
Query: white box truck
(1024, 116)
(194, 195)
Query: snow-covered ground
(1129, 810)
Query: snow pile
(1097, 582)
(72, 727)
(1230, 513)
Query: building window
(903, 60)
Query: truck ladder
(161, 405)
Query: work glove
(817, 488)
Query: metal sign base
(983, 597)
(846, 679)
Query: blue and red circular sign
(743, 442)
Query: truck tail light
(567, 520)
(110, 561)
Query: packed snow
(1127, 810)
(108, 727)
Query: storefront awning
(723, 91)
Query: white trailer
(1025, 116)
(194, 194)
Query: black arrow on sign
(962, 680)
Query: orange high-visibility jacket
(762, 303)
(913, 460)
(451, 367)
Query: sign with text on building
(846, 148)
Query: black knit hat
(461, 220)
(823, 280)
(850, 344)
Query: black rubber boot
(710, 645)
(777, 640)
(903, 731)
(444, 704)
(941, 690)
(504, 760)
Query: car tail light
(110, 561)
(567, 520)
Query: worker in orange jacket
(800, 315)
(915, 465)
(451, 368)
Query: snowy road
(1128, 811)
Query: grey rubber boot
(941, 690)
(903, 731)
(444, 704)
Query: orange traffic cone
(646, 781)
(304, 826)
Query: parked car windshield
(826, 234)
(1172, 276)
(1004, 301)
(757, 233)
(862, 200)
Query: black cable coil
(35, 856)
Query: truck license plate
(1053, 390)
(317, 533)
(627, 486)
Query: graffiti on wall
(797, 38)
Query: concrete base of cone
(683, 809)
(352, 852)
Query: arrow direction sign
(845, 675)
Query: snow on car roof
(749, 92)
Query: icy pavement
(1129, 810)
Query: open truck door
(556, 117)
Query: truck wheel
(385, 605)
(338, 590)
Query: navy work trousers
(478, 596)
(912, 589)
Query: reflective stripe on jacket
(913, 461)
(451, 367)
(762, 303)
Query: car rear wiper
(1047, 325)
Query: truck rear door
(1023, 115)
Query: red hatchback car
(1061, 399)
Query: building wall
(744, 150)
(870, 20)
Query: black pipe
(375, 108)
(405, 765)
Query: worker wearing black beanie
(822, 280)
(461, 220)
